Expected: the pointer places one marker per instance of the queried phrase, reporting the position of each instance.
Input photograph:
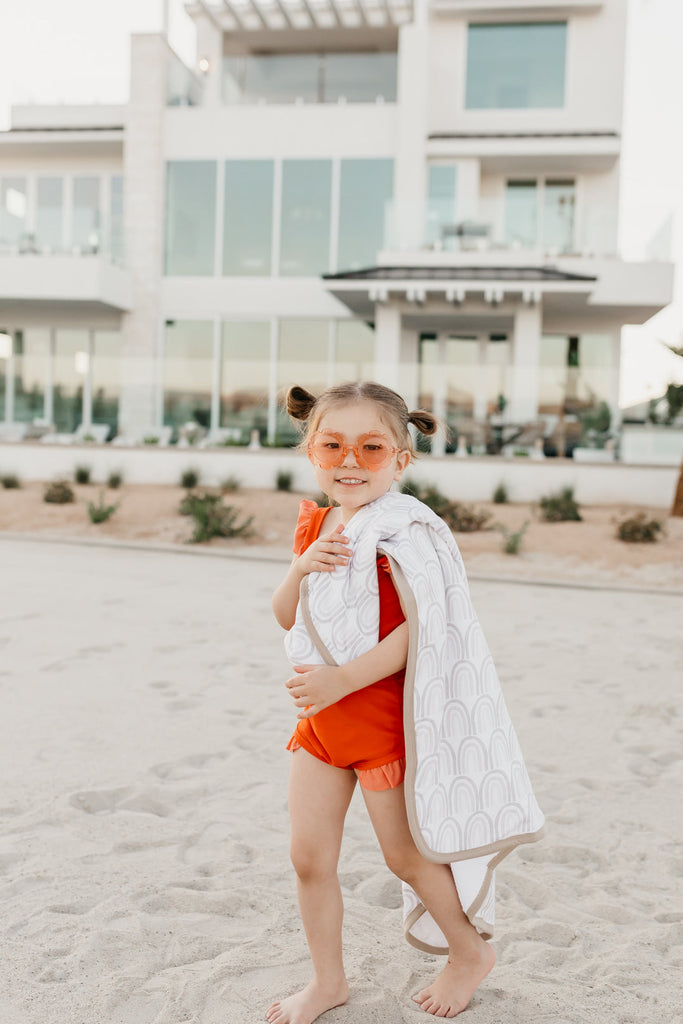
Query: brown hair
(302, 405)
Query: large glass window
(5, 352)
(305, 220)
(354, 351)
(106, 378)
(31, 359)
(85, 230)
(365, 193)
(441, 208)
(190, 217)
(558, 216)
(12, 211)
(302, 359)
(188, 372)
(70, 365)
(248, 217)
(521, 214)
(116, 246)
(49, 213)
(516, 65)
(245, 365)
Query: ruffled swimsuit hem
(377, 779)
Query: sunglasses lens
(326, 452)
(374, 454)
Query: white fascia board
(65, 279)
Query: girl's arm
(315, 687)
(322, 556)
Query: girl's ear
(402, 463)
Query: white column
(613, 400)
(387, 344)
(481, 385)
(410, 167)
(272, 378)
(526, 352)
(216, 373)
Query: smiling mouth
(350, 480)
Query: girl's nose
(350, 458)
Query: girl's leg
(470, 958)
(319, 797)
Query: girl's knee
(312, 863)
(403, 864)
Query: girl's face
(350, 484)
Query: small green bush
(10, 481)
(59, 493)
(429, 494)
(465, 518)
(638, 529)
(151, 439)
(500, 495)
(212, 518)
(189, 478)
(100, 512)
(283, 480)
(82, 474)
(512, 539)
(560, 507)
(231, 485)
(114, 480)
(322, 501)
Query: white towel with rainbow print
(468, 795)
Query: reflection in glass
(441, 205)
(516, 65)
(248, 217)
(277, 78)
(521, 214)
(558, 216)
(354, 351)
(365, 192)
(5, 350)
(188, 370)
(106, 379)
(49, 213)
(190, 217)
(462, 374)
(31, 358)
(85, 230)
(498, 369)
(12, 210)
(68, 383)
(302, 359)
(245, 366)
(116, 246)
(305, 223)
(360, 77)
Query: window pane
(248, 221)
(188, 371)
(5, 351)
(245, 368)
(360, 77)
(462, 372)
(31, 356)
(521, 214)
(441, 208)
(281, 78)
(68, 379)
(516, 65)
(116, 220)
(558, 216)
(106, 379)
(498, 367)
(355, 351)
(49, 213)
(190, 217)
(305, 232)
(86, 214)
(302, 359)
(12, 210)
(365, 194)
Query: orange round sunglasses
(372, 451)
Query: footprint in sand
(106, 801)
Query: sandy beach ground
(144, 869)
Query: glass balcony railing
(310, 78)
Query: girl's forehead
(354, 420)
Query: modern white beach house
(425, 193)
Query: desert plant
(115, 479)
(560, 507)
(212, 518)
(100, 512)
(151, 439)
(638, 529)
(231, 485)
(429, 494)
(283, 480)
(82, 474)
(189, 478)
(322, 501)
(512, 539)
(59, 493)
(464, 518)
(10, 480)
(500, 495)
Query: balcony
(305, 78)
(87, 284)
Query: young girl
(339, 598)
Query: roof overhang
(249, 16)
(73, 282)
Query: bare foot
(450, 993)
(306, 1006)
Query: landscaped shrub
(100, 512)
(212, 518)
(82, 474)
(638, 529)
(322, 501)
(231, 485)
(429, 494)
(10, 480)
(151, 439)
(114, 480)
(189, 478)
(500, 495)
(59, 493)
(560, 507)
(459, 517)
(512, 539)
(283, 480)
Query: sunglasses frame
(345, 448)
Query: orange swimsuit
(364, 731)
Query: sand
(143, 854)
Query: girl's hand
(316, 687)
(325, 553)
